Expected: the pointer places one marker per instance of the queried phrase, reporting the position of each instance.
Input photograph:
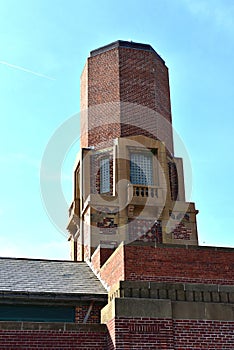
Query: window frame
(144, 171)
(105, 175)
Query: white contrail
(26, 70)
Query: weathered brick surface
(141, 333)
(158, 334)
(111, 335)
(100, 256)
(144, 80)
(100, 86)
(172, 264)
(127, 333)
(56, 340)
(113, 269)
(146, 333)
(111, 83)
(198, 334)
(197, 265)
(82, 310)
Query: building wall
(112, 270)
(146, 333)
(191, 264)
(93, 310)
(99, 93)
(121, 333)
(172, 297)
(158, 334)
(123, 90)
(179, 264)
(149, 323)
(145, 95)
(144, 80)
(199, 334)
(47, 336)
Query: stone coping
(51, 326)
(182, 246)
(132, 308)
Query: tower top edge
(124, 44)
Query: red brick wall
(195, 265)
(96, 259)
(100, 256)
(159, 334)
(128, 76)
(113, 269)
(126, 333)
(95, 314)
(175, 264)
(111, 334)
(101, 84)
(198, 334)
(144, 80)
(105, 253)
(56, 340)
(103, 78)
(141, 333)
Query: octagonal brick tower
(128, 185)
(115, 77)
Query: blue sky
(44, 46)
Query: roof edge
(124, 44)
(40, 259)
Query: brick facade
(197, 265)
(31, 336)
(140, 237)
(198, 334)
(90, 310)
(113, 270)
(122, 333)
(143, 333)
(159, 334)
(123, 89)
(163, 263)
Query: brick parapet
(163, 324)
(167, 263)
(57, 336)
(179, 264)
(113, 269)
(150, 333)
(201, 334)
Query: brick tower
(128, 185)
(142, 280)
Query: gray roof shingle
(48, 276)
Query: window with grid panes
(104, 175)
(141, 168)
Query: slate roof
(48, 276)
